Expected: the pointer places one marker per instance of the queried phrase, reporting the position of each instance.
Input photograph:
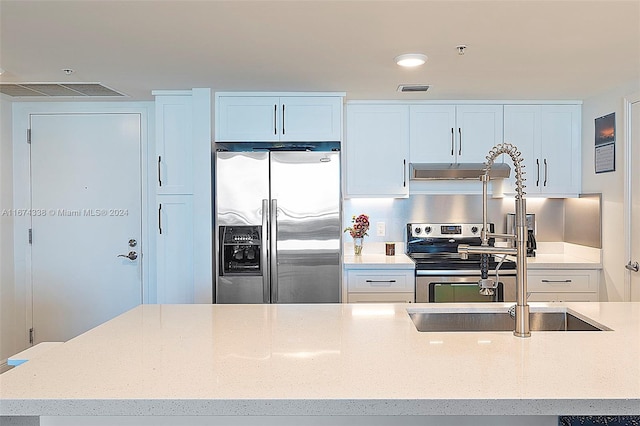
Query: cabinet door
(560, 149)
(522, 129)
(377, 146)
(479, 128)
(175, 273)
(174, 144)
(247, 119)
(310, 119)
(432, 133)
(549, 138)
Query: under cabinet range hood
(452, 171)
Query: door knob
(632, 266)
(131, 256)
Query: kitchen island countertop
(329, 359)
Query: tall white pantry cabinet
(182, 214)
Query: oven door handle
(462, 272)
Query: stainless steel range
(443, 276)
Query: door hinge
(30, 236)
(31, 336)
(28, 135)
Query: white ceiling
(531, 49)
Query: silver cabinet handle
(275, 119)
(556, 281)
(380, 283)
(545, 172)
(459, 141)
(632, 266)
(132, 255)
(538, 172)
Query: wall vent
(413, 88)
(69, 90)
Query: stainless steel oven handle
(461, 272)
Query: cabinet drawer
(381, 281)
(380, 297)
(562, 282)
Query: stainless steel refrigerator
(278, 227)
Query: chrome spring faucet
(487, 286)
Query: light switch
(380, 229)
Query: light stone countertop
(565, 256)
(375, 261)
(329, 359)
(373, 257)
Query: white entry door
(634, 181)
(86, 201)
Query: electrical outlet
(380, 229)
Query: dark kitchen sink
(560, 320)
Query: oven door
(461, 289)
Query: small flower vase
(357, 245)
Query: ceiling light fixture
(411, 59)
(461, 49)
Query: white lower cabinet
(380, 285)
(569, 285)
(175, 268)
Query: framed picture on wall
(605, 143)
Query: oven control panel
(446, 230)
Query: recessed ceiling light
(411, 59)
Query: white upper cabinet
(256, 118)
(548, 136)
(377, 151)
(174, 144)
(454, 133)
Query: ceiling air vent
(413, 88)
(70, 90)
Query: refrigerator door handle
(264, 256)
(273, 243)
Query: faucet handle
(463, 250)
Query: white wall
(7, 276)
(610, 184)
